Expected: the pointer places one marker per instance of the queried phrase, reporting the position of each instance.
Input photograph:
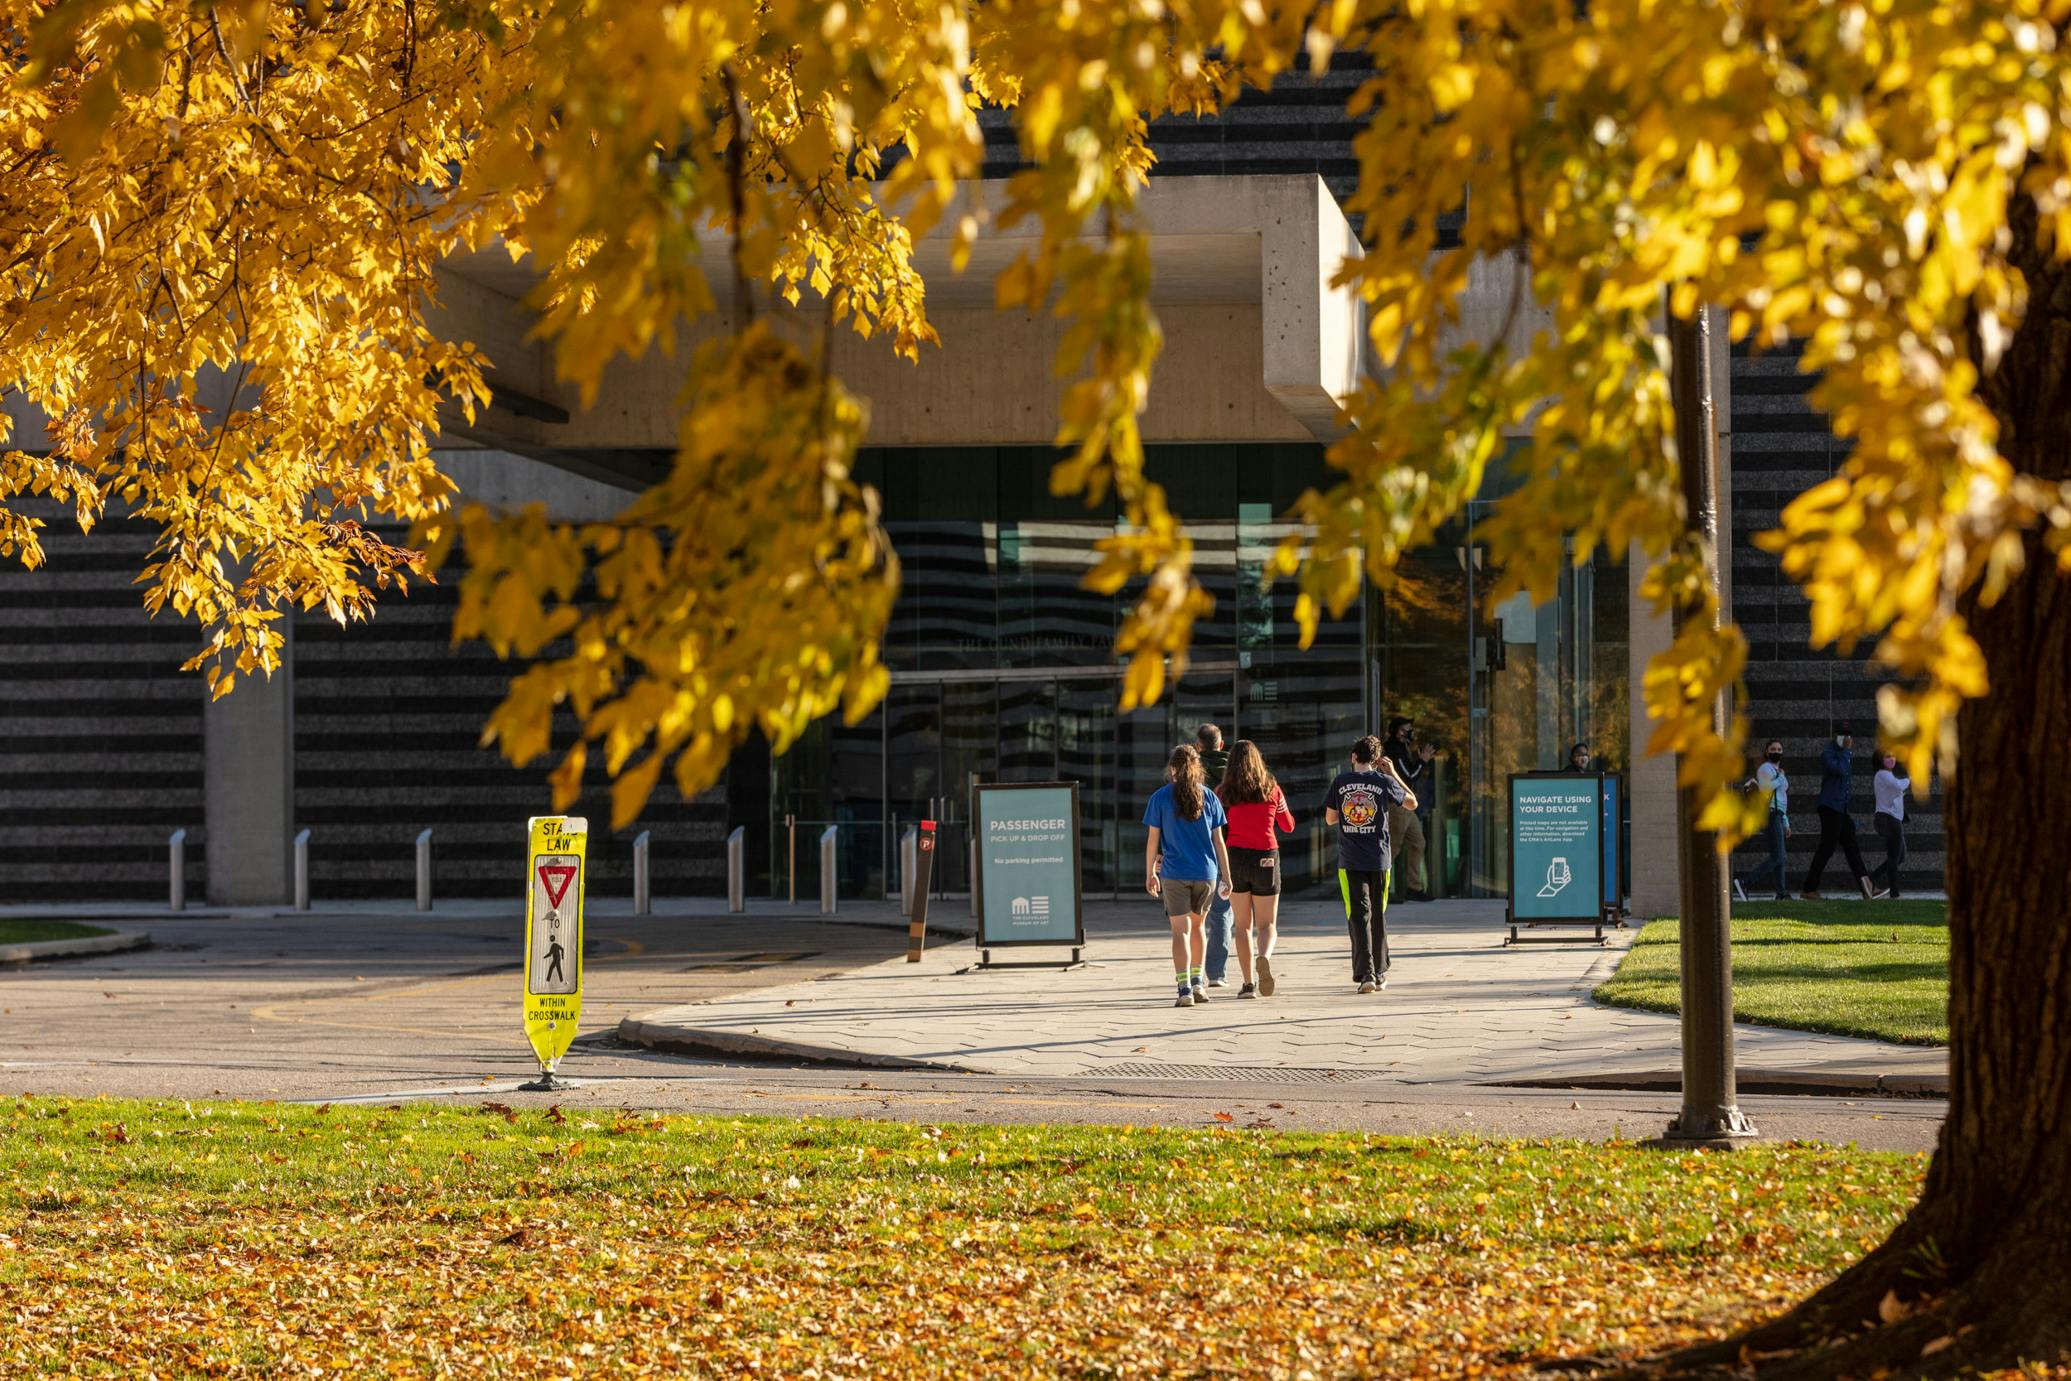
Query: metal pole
(827, 867)
(424, 871)
(176, 871)
(1711, 1104)
(791, 854)
(302, 871)
(643, 899)
(909, 860)
(737, 869)
(922, 842)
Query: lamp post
(1711, 1114)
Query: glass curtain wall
(1497, 692)
(1003, 671)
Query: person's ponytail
(1184, 768)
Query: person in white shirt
(1890, 819)
(1773, 782)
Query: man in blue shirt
(1836, 825)
(1358, 805)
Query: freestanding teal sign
(1028, 883)
(1556, 849)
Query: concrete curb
(1832, 1083)
(693, 1040)
(74, 949)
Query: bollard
(302, 871)
(827, 866)
(737, 869)
(909, 861)
(424, 871)
(176, 869)
(643, 899)
(791, 854)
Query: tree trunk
(1984, 1259)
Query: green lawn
(1878, 969)
(30, 932)
(240, 1239)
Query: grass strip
(29, 932)
(1874, 969)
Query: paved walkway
(1460, 1008)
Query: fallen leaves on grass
(268, 1240)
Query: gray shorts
(1183, 898)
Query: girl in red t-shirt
(1256, 809)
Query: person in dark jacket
(1221, 926)
(1836, 825)
(1405, 828)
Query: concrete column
(248, 787)
(1656, 889)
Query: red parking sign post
(923, 873)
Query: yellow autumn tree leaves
(221, 226)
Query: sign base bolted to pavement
(553, 940)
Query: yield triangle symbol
(556, 877)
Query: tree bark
(1984, 1259)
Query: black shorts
(1256, 871)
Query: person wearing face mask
(1772, 781)
(1836, 825)
(1891, 788)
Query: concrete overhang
(1259, 346)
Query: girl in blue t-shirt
(1185, 863)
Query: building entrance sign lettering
(1557, 851)
(553, 937)
(1029, 883)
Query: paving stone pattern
(1460, 1007)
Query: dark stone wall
(388, 719)
(100, 731)
(1781, 447)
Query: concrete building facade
(1002, 666)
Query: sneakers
(1881, 893)
(1265, 975)
(1366, 985)
(1382, 984)
(1248, 990)
(1200, 996)
(1186, 998)
(1218, 982)
(1869, 893)
(1810, 896)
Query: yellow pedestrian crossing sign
(553, 934)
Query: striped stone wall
(388, 716)
(100, 732)
(1781, 448)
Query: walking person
(1215, 762)
(1836, 825)
(1358, 805)
(1185, 864)
(1408, 759)
(1256, 808)
(1890, 787)
(1772, 781)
